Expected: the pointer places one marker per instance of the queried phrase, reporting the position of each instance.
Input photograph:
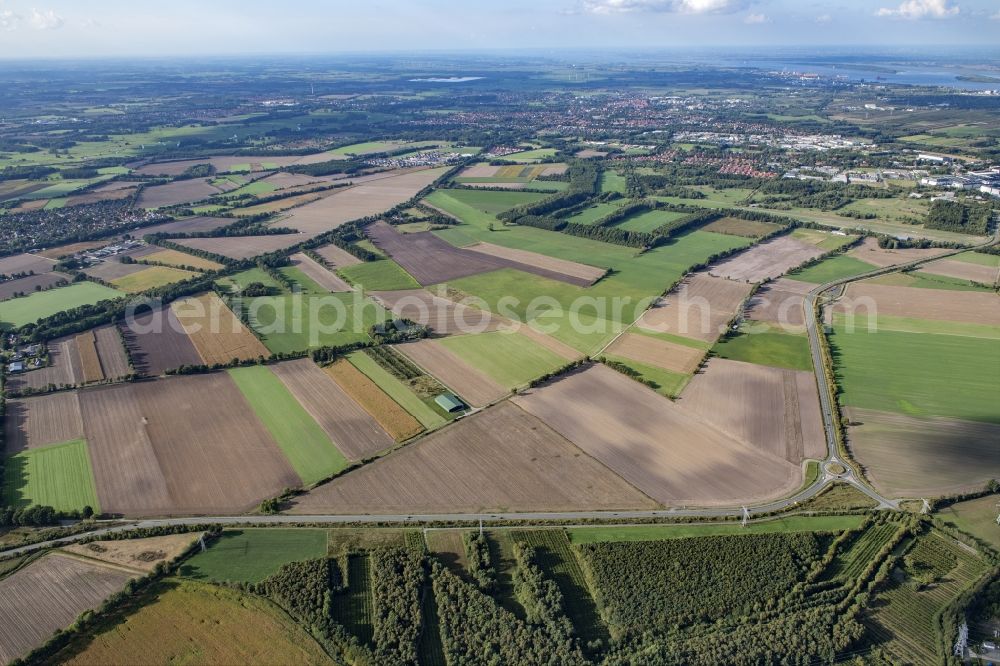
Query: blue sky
(57, 28)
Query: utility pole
(926, 508)
(963, 640)
(746, 517)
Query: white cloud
(824, 18)
(666, 6)
(918, 9)
(9, 20)
(995, 17)
(45, 20)
(756, 19)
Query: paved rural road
(833, 456)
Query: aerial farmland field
(21, 311)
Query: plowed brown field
(336, 256)
(766, 260)
(114, 363)
(90, 362)
(157, 343)
(975, 307)
(42, 420)
(319, 274)
(456, 374)
(869, 251)
(699, 308)
(781, 302)
(657, 353)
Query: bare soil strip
(570, 268)
(974, 307)
(906, 456)
(963, 271)
(323, 277)
(42, 420)
(453, 372)
(336, 256)
(157, 343)
(26, 286)
(112, 269)
(355, 433)
(242, 247)
(781, 302)
(184, 445)
(179, 192)
(48, 595)
(869, 251)
(657, 353)
(217, 334)
(766, 260)
(659, 447)
(114, 363)
(776, 410)
(25, 263)
(394, 419)
(699, 308)
(501, 459)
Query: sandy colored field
(25, 263)
(906, 456)
(501, 459)
(48, 595)
(113, 269)
(699, 308)
(26, 286)
(976, 307)
(735, 226)
(179, 192)
(181, 260)
(781, 302)
(141, 554)
(501, 185)
(369, 196)
(242, 247)
(776, 410)
(94, 196)
(283, 180)
(550, 343)
(570, 268)
(456, 374)
(157, 343)
(356, 434)
(394, 419)
(183, 445)
(766, 260)
(963, 271)
(657, 353)
(441, 314)
(114, 363)
(217, 334)
(659, 447)
(63, 368)
(72, 248)
(869, 251)
(279, 205)
(90, 362)
(337, 257)
(221, 164)
(42, 420)
(483, 170)
(187, 226)
(319, 274)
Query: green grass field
(649, 221)
(834, 268)
(767, 346)
(511, 359)
(303, 282)
(980, 258)
(381, 275)
(668, 383)
(594, 213)
(58, 475)
(311, 453)
(27, 310)
(529, 155)
(490, 202)
(612, 181)
(919, 374)
(251, 555)
(396, 390)
(578, 535)
(978, 517)
(298, 322)
(154, 276)
(241, 280)
(861, 322)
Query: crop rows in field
(852, 561)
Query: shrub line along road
(825, 478)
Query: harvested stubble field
(442, 315)
(781, 302)
(869, 252)
(106, 195)
(221, 164)
(735, 226)
(114, 363)
(113, 269)
(699, 308)
(242, 247)
(337, 257)
(181, 260)
(662, 449)
(319, 274)
(28, 285)
(189, 225)
(352, 429)
(501, 459)
(141, 554)
(974, 307)
(544, 262)
(25, 263)
(456, 374)
(394, 419)
(157, 343)
(657, 353)
(72, 248)
(178, 192)
(776, 410)
(766, 260)
(908, 456)
(183, 445)
(42, 420)
(964, 270)
(508, 358)
(431, 260)
(278, 205)
(90, 362)
(63, 368)
(217, 334)
(48, 595)
(150, 277)
(185, 622)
